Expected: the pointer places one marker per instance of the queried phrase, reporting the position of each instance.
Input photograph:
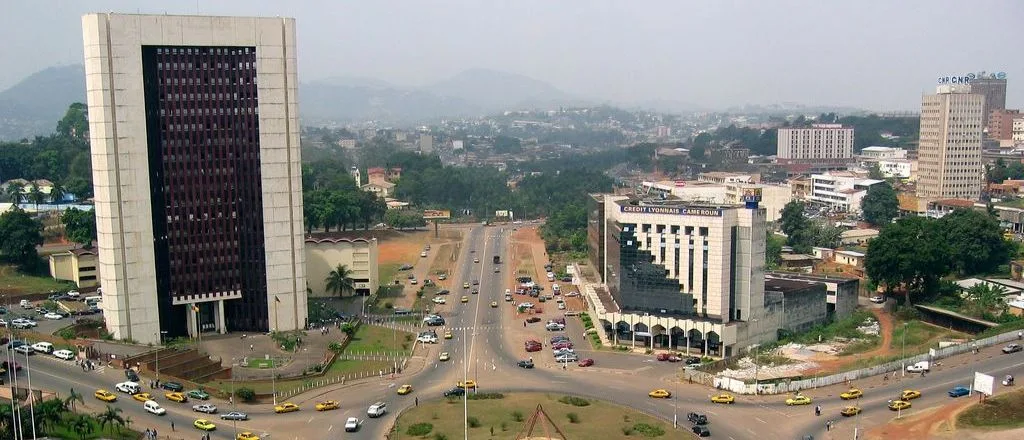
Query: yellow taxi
(798, 400)
(723, 398)
(105, 395)
(494, 304)
(404, 389)
(850, 411)
(465, 299)
(247, 436)
(853, 393)
(469, 384)
(465, 285)
(286, 407)
(447, 334)
(444, 356)
(176, 397)
(910, 394)
(142, 397)
(660, 394)
(897, 405)
(204, 425)
(328, 405)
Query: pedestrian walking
(251, 348)
(417, 401)
(828, 426)
(155, 435)
(172, 426)
(817, 410)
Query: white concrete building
(839, 191)
(820, 141)
(1018, 130)
(896, 168)
(773, 197)
(883, 153)
(359, 255)
(195, 151)
(949, 151)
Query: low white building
(773, 197)
(883, 153)
(896, 168)
(839, 191)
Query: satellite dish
(971, 76)
(1001, 75)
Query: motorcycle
(1008, 380)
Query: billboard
(503, 213)
(431, 214)
(983, 383)
(671, 210)
(751, 195)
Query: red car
(532, 320)
(663, 356)
(559, 345)
(559, 320)
(586, 362)
(533, 348)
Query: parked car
(701, 431)
(959, 391)
(532, 320)
(199, 394)
(64, 354)
(454, 392)
(697, 418)
(172, 386)
(878, 299)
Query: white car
(526, 305)
(554, 326)
(352, 424)
(423, 254)
(413, 281)
(53, 316)
(23, 323)
(74, 294)
(205, 408)
(878, 299)
(24, 349)
(64, 354)
(3, 322)
(441, 277)
(154, 408)
(439, 300)
(43, 347)
(427, 339)
(561, 306)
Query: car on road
(669, 357)
(447, 334)
(128, 387)
(327, 405)
(53, 316)
(104, 395)
(404, 389)
(439, 300)
(286, 407)
(530, 348)
(142, 397)
(246, 435)
(850, 411)
(199, 394)
(959, 391)
(172, 386)
(554, 327)
(494, 304)
(423, 254)
(532, 320)
(697, 418)
(692, 360)
(405, 267)
(723, 398)
(526, 305)
(475, 292)
(176, 397)
(465, 285)
(878, 299)
(433, 321)
(208, 408)
(64, 354)
(377, 409)
(454, 392)
(588, 362)
(442, 277)
(153, 408)
(660, 394)
(910, 394)
(444, 356)
(701, 431)
(468, 384)
(476, 260)
(476, 282)
(234, 415)
(443, 292)
(427, 338)
(465, 299)
(852, 393)
(204, 425)
(43, 347)
(899, 405)
(1012, 348)
(352, 424)
(798, 400)
(526, 363)
(25, 350)
(413, 281)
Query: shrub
(648, 430)
(439, 436)
(473, 422)
(420, 429)
(335, 347)
(574, 401)
(504, 426)
(67, 334)
(484, 396)
(626, 430)
(573, 418)
(517, 415)
(388, 305)
(246, 394)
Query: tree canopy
(976, 241)
(63, 157)
(19, 236)
(79, 226)
(910, 254)
(880, 204)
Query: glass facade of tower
(635, 281)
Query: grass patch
(524, 261)
(374, 339)
(65, 430)
(447, 255)
(1003, 411)
(17, 283)
(420, 429)
(574, 401)
(265, 363)
(338, 368)
(387, 273)
(919, 336)
(600, 419)
(844, 328)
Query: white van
(90, 300)
(551, 276)
(43, 347)
(154, 408)
(377, 409)
(26, 304)
(128, 387)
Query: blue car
(959, 391)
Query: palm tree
(73, 396)
(50, 412)
(111, 415)
(57, 193)
(6, 428)
(36, 195)
(339, 281)
(128, 422)
(14, 192)
(82, 426)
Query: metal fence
(788, 386)
(399, 361)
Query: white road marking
(310, 420)
(759, 420)
(329, 428)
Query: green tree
(984, 299)
(50, 412)
(875, 172)
(507, 144)
(773, 250)
(57, 193)
(111, 416)
(15, 193)
(82, 426)
(976, 240)
(880, 204)
(73, 397)
(339, 281)
(698, 152)
(79, 226)
(348, 329)
(75, 123)
(996, 173)
(19, 236)
(792, 217)
(35, 195)
(1015, 170)
(910, 255)
(825, 234)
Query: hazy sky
(875, 54)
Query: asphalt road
(487, 343)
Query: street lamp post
(159, 345)
(903, 354)
(757, 365)
(31, 400)
(12, 379)
(273, 379)
(465, 396)
(231, 399)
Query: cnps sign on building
(671, 210)
(967, 78)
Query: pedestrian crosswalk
(97, 366)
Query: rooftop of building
(787, 285)
(866, 232)
(851, 253)
(957, 203)
(669, 201)
(875, 148)
(812, 277)
(796, 257)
